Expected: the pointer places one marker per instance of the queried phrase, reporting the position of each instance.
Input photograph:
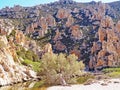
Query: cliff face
(105, 52)
(6, 26)
(12, 42)
(15, 48)
(40, 27)
(11, 71)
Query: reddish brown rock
(101, 54)
(95, 47)
(100, 62)
(76, 52)
(107, 22)
(50, 20)
(60, 46)
(98, 11)
(101, 34)
(70, 21)
(63, 13)
(118, 27)
(57, 36)
(110, 60)
(76, 32)
(43, 24)
(109, 37)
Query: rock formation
(63, 13)
(48, 48)
(76, 32)
(11, 71)
(108, 53)
(6, 26)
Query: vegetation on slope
(35, 65)
(112, 72)
(53, 66)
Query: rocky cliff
(15, 48)
(105, 51)
(10, 70)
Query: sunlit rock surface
(11, 71)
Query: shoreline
(107, 84)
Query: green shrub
(107, 70)
(112, 72)
(53, 65)
(29, 54)
(21, 54)
(13, 33)
(21, 51)
(39, 84)
(84, 78)
(35, 65)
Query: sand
(111, 84)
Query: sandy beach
(111, 84)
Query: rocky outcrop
(70, 21)
(40, 27)
(6, 26)
(11, 71)
(48, 48)
(76, 32)
(76, 52)
(29, 29)
(23, 41)
(59, 46)
(63, 13)
(20, 38)
(98, 11)
(107, 54)
(57, 36)
(50, 20)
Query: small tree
(54, 67)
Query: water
(31, 85)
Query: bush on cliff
(29, 54)
(35, 65)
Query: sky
(11, 3)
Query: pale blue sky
(4, 3)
